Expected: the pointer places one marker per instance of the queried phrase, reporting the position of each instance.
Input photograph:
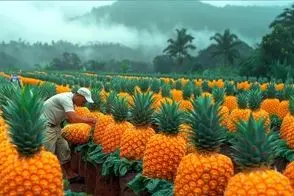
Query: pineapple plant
(254, 104)
(230, 99)
(164, 150)
(218, 95)
(286, 130)
(113, 132)
(134, 140)
(26, 167)
(104, 119)
(270, 103)
(77, 133)
(242, 112)
(187, 94)
(204, 171)
(165, 96)
(254, 152)
(287, 92)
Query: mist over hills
(134, 30)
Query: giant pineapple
(218, 95)
(253, 152)
(77, 133)
(270, 103)
(230, 99)
(204, 171)
(134, 139)
(165, 150)
(26, 167)
(112, 135)
(185, 103)
(287, 126)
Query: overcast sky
(44, 21)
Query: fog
(45, 21)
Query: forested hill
(250, 21)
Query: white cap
(86, 93)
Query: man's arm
(74, 118)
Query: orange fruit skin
(270, 105)
(186, 105)
(111, 138)
(203, 174)
(133, 142)
(77, 133)
(82, 111)
(162, 156)
(177, 95)
(102, 122)
(258, 114)
(283, 109)
(225, 112)
(286, 130)
(289, 173)
(259, 182)
(235, 116)
(40, 174)
(230, 102)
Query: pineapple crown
(205, 86)
(120, 109)
(107, 87)
(141, 109)
(230, 88)
(197, 91)
(169, 118)
(287, 92)
(6, 93)
(130, 87)
(255, 86)
(271, 92)
(155, 86)
(252, 147)
(23, 114)
(242, 100)
(96, 96)
(144, 84)
(109, 102)
(165, 90)
(205, 118)
(254, 99)
(188, 91)
(219, 95)
(178, 84)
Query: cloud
(249, 3)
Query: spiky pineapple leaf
(23, 114)
(205, 118)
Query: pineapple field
(158, 135)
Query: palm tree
(179, 48)
(226, 46)
(286, 18)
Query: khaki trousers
(56, 144)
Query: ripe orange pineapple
(283, 110)
(26, 167)
(254, 101)
(230, 100)
(111, 138)
(289, 173)
(271, 103)
(82, 111)
(253, 152)
(165, 150)
(286, 130)
(134, 140)
(204, 171)
(77, 133)
(242, 112)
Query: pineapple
(104, 119)
(77, 133)
(287, 125)
(254, 101)
(289, 173)
(271, 103)
(187, 94)
(242, 112)
(218, 95)
(204, 171)
(165, 96)
(165, 150)
(134, 140)
(26, 168)
(254, 152)
(283, 110)
(112, 135)
(230, 100)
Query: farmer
(14, 79)
(57, 109)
